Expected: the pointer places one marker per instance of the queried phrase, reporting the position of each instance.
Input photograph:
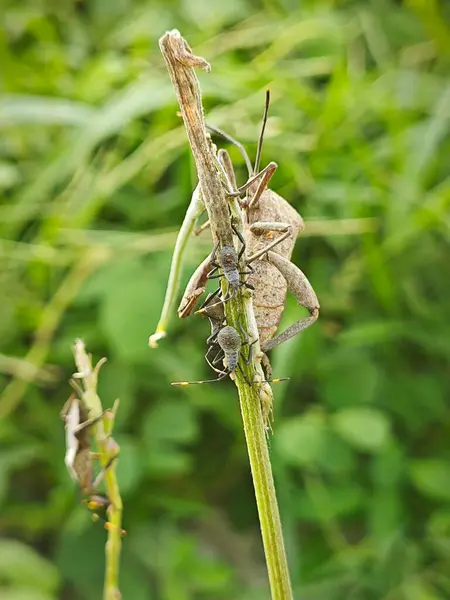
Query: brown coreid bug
(271, 227)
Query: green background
(96, 174)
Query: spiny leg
(202, 227)
(267, 175)
(250, 353)
(215, 360)
(241, 252)
(244, 343)
(263, 226)
(88, 423)
(241, 239)
(298, 285)
(214, 263)
(97, 481)
(244, 376)
(209, 298)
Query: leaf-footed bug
(230, 343)
(79, 458)
(271, 217)
(228, 261)
(216, 315)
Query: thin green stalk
(266, 499)
(239, 309)
(195, 208)
(107, 449)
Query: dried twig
(180, 62)
(87, 375)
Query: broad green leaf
(23, 593)
(300, 440)
(20, 109)
(130, 464)
(322, 503)
(118, 381)
(130, 301)
(366, 429)
(170, 421)
(431, 477)
(165, 460)
(80, 559)
(350, 377)
(21, 564)
(336, 456)
(11, 459)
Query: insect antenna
(276, 380)
(185, 383)
(238, 145)
(261, 135)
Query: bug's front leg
(299, 285)
(260, 228)
(98, 480)
(88, 423)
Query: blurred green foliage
(96, 174)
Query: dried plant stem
(180, 62)
(88, 376)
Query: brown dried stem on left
(86, 377)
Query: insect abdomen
(268, 298)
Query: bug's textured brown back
(270, 286)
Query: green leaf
(11, 459)
(21, 564)
(171, 421)
(21, 109)
(165, 427)
(20, 593)
(130, 300)
(129, 465)
(350, 378)
(364, 428)
(166, 461)
(80, 559)
(431, 477)
(336, 457)
(118, 381)
(300, 440)
(323, 503)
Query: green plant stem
(103, 429)
(239, 309)
(195, 208)
(266, 500)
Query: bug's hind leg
(298, 285)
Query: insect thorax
(228, 258)
(229, 339)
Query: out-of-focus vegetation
(96, 174)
